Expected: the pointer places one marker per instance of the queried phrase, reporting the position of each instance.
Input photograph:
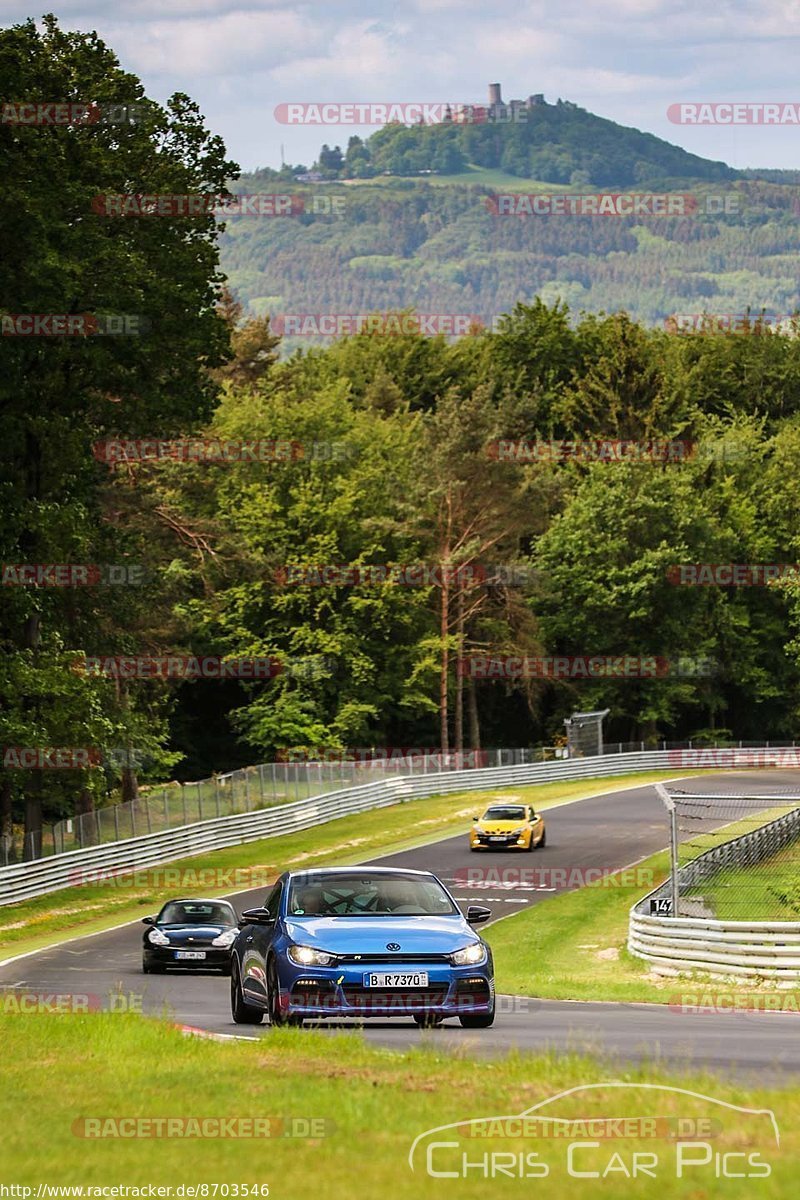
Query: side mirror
(474, 818)
(148, 920)
(256, 916)
(476, 913)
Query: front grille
(397, 999)
(391, 960)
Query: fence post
(147, 813)
(673, 848)
(183, 800)
(116, 822)
(261, 782)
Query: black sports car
(190, 933)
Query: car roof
(356, 869)
(196, 900)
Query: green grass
(59, 1071)
(767, 892)
(574, 946)
(34, 924)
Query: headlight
(225, 939)
(305, 956)
(518, 832)
(469, 956)
(158, 938)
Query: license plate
(190, 953)
(389, 979)
(497, 839)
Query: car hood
(500, 826)
(179, 934)
(370, 935)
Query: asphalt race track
(607, 832)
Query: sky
(628, 61)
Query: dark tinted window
(194, 912)
(364, 895)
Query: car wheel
(226, 970)
(277, 1016)
(428, 1020)
(153, 968)
(478, 1020)
(530, 844)
(543, 838)
(242, 1013)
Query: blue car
(361, 942)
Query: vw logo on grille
(392, 945)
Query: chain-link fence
(172, 805)
(734, 857)
(263, 786)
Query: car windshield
(506, 812)
(195, 912)
(361, 895)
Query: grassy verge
(767, 892)
(89, 908)
(60, 1072)
(573, 946)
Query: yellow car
(507, 826)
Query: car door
(257, 941)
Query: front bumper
(166, 956)
(499, 841)
(340, 991)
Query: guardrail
(24, 881)
(769, 949)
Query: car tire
(531, 843)
(276, 1016)
(477, 1020)
(153, 968)
(226, 970)
(543, 838)
(428, 1020)
(242, 1013)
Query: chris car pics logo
(611, 1131)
